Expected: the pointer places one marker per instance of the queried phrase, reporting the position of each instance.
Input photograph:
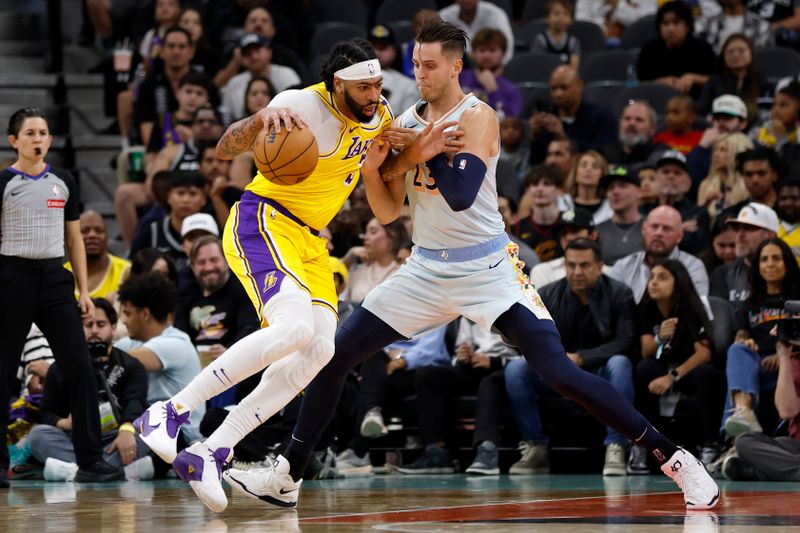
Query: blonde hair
(571, 183)
(726, 179)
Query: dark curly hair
(152, 291)
(344, 54)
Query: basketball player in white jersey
(462, 263)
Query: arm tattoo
(239, 137)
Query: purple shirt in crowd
(507, 93)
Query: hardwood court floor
(558, 503)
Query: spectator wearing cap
(728, 114)
(676, 57)
(575, 224)
(257, 61)
(589, 126)
(783, 125)
(398, 88)
(218, 312)
(737, 74)
(788, 211)
(474, 15)
(486, 79)
(193, 227)
(761, 169)
(673, 182)
(661, 233)
(752, 363)
(621, 235)
(755, 223)
(595, 316)
(637, 126)
(186, 196)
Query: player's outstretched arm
(385, 198)
(239, 136)
(426, 144)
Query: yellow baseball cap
(338, 267)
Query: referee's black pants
(42, 291)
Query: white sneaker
(201, 467)
(57, 470)
(349, 464)
(700, 491)
(615, 461)
(272, 484)
(159, 426)
(141, 469)
(373, 426)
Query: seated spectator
(513, 148)
(480, 355)
(595, 317)
(676, 57)
(734, 19)
(187, 196)
(575, 225)
(784, 18)
(737, 74)
(257, 61)
(753, 361)
(724, 186)
(147, 304)
(206, 59)
(218, 312)
(486, 79)
(193, 228)
(731, 282)
(474, 15)
(762, 458)
(613, 17)
(541, 228)
(761, 169)
(387, 377)
(676, 343)
(372, 263)
(583, 185)
(673, 182)
(646, 172)
(166, 15)
(560, 157)
(661, 232)
(722, 250)
(556, 39)
(524, 252)
(782, 127)
(621, 235)
(152, 260)
(788, 212)
(105, 271)
(728, 115)
(590, 126)
(122, 397)
(223, 191)
(680, 134)
(401, 91)
(636, 129)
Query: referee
(38, 215)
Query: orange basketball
(286, 158)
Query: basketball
(286, 158)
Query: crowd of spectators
(643, 229)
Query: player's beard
(356, 109)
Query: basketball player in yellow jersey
(272, 243)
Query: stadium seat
(531, 67)
(590, 35)
(640, 32)
(525, 33)
(534, 9)
(608, 65)
(508, 184)
(352, 11)
(603, 93)
(533, 96)
(655, 93)
(776, 63)
(314, 67)
(403, 30)
(391, 10)
(329, 33)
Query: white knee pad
(291, 313)
(317, 354)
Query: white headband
(364, 70)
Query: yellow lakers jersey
(117, 272)
(316, 200)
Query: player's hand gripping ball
(286, 158)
